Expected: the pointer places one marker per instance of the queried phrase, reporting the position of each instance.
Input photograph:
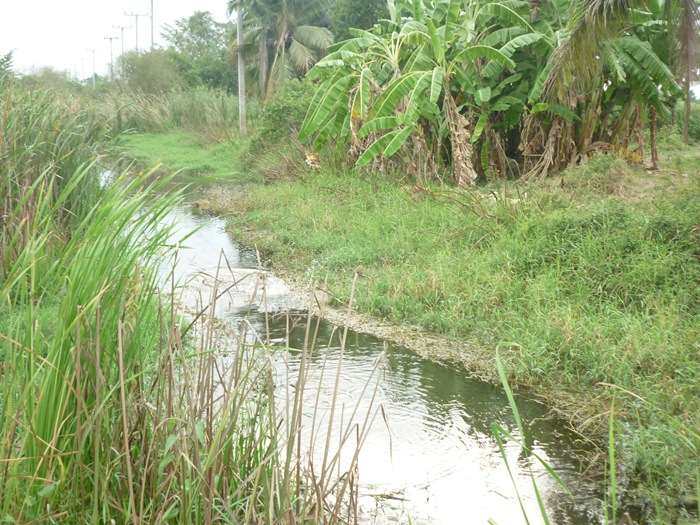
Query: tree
(359, 14)
(153, 72)
(6, 63)
(283, 39)
(47, 77)
(199, 47)
(687, 59)
(594, 24)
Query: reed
(110, 410)
(211, 115)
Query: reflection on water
(203, 245)
(435, 459)
(430, 455)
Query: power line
(136, 16)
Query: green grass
(183, 151)
(594, 275)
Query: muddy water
(430, 456)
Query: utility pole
(93, 68)
(111, 56)
(151, 25)
(122, 30)
(241, 72)
(136, 16)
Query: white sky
(58, 33)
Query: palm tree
(607, 70)
(285, 38)
(594, 23)
(684, 15)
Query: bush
(283, 115)
(694, 128)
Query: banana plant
(385, 85)
(476, 81)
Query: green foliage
(359, 14)
(413, 68)
(153, 72)
(473, 83)
(283, 115)
(199, 47)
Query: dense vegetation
(109, 411)
(486, 89)
(481, 164)
(592, 274)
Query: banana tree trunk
(462, 151)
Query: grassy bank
(184, 152)
(594, 275)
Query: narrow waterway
(431, 456)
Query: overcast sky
(58, 33)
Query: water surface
(430, 455)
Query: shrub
(283, 115)
(152, 73)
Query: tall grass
(212, 115)
(108, 414)
(614, 490)
(45, 139)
